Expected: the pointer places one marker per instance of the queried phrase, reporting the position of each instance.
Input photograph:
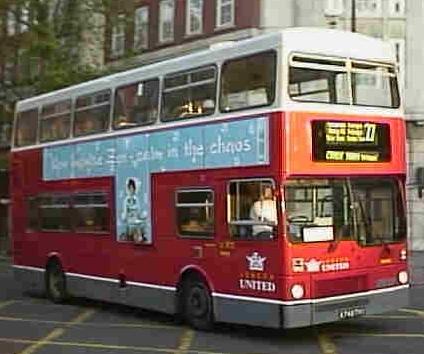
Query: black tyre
(55, 283)
(197, 305)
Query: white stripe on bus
(239, 297)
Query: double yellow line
(58, 332)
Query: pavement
(416, 266)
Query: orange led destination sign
(343, 141)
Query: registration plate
(351, 313)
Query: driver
(265, 211)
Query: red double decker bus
(257, 182)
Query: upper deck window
(26, 128)
(248, 82)
(189, 94)
(92, 113)
(136, 104)
(55, 121)
(338, 81)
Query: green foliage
(48, 42)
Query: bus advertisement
(259, 182)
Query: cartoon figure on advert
(131, 215)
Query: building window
(118, 37)
(194, 17)
(396, 8)
(334, 8)
(225, 13)
(195, 212)
(141, 28)
(368, 8)
(166, 20)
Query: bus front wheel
(197, 305)
(55, 283)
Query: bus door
(249, 256)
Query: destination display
(348, 141)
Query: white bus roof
(306, 40)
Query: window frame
(174, 88)
(177, 205)
(139, 27)
(219, 6)
(248, 222)
(346, 65)
(188, 21)
(36, 128)
(158, 103)
(71, 207)
(77, 110)
(117, 35)
(162, 21)
(67, 206)
(106, 206)
(55, 116)
(274, 83)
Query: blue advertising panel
(132, 159)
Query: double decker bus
(259, 182)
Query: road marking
(326, 345)
(91, 324)
(185, 342)
(389, 335)
(57, 332)
(43, 341)
(104, 346)
(82, 317)
(413, 311)
(6, 303)
(391, 317)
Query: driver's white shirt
(265, 211)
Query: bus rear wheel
(55, 283)
(197, 305)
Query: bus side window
(136, 104)
(55, 121)
(252, 209)
(195, 213)
(26, 128)
(248, 82)
(189, 94)
(92, 113)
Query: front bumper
(335, 308)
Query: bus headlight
(297, 291)
(403, 277)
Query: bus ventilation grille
(340, 286)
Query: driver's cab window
(252, 211)
(318, 210)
